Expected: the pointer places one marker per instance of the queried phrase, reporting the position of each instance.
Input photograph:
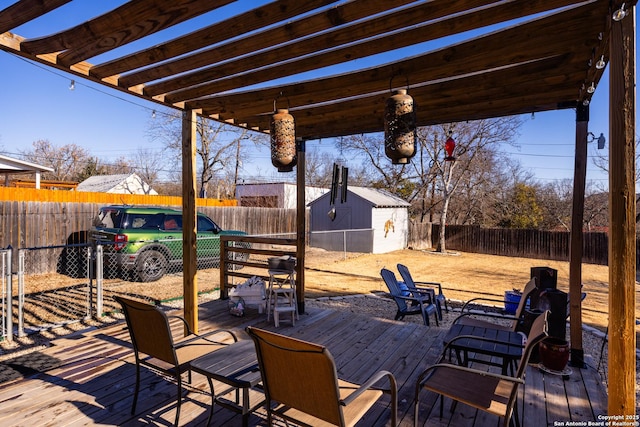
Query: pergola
(473, 59)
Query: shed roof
(377, 198)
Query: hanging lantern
(283, 141)
(399, 127)
(449, 146)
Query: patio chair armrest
(423, 297)
(183, 320)
(477, 338)
(424, 290)
(425, 374)
(369, 384)
(434, 284)
(473, 300)
(490, 315)
(206, 336)
(408, 298)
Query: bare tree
(474, 146)
(219, 149)
(601, 161)
(378, 170)
(148, 164)
(68, 161)
(556, 200)
(319, 167)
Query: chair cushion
(404, 289)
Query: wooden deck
(88, 379)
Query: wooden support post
(622, 217)
(189, 221)
(301, 223)
(575, 246)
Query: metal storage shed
(369, 221)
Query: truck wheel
(151, 266)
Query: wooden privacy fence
(551, 245)
(42, 195)
(37, 224)
(30, 224)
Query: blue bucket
(511, 301)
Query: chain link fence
(5, 276)
(45, 300)
(36, 296)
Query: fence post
(9, 296)
(21, 253)
(344, 243)
(99, 276)
(91, 270)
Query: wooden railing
(261, 248)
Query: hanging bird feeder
(283, 140)
(449, 146)
(399, 127)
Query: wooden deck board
(532, 399)
(89, 378)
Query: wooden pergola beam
(189, 219)
(575, 244)
(622, 217)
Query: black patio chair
(423, 287)
(409, 302)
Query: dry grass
(462, 275)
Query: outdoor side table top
(237, 366)
(509, 348)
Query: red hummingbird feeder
(449, 146)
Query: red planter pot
(554, 353)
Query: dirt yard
(462, 275)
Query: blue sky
(109, 124)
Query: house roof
(106, 183)
(460, 59)
(11, 165)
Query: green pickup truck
(146, 242)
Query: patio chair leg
(454, 403)
(446, 305)
(439, 308)
(515, 418)
(179, 400)
(425, 318)
(213, 400)
(136, 390)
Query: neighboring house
(369, 221)
(10, 166)
(118, 184)
(275, 195)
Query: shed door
(343, 218)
